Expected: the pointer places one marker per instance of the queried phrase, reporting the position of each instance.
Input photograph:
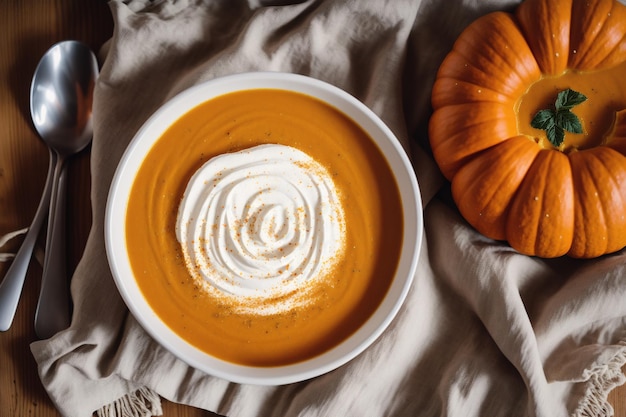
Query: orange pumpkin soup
(344, 297)
(605, 90)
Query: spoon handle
(53, 312)
(13, 282)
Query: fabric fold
(484, 331)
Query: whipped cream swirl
(262, 224)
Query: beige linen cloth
(484, 331)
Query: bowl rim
(345, 351)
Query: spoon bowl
(61, 96)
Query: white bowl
(139, 307)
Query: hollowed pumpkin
(508, 180)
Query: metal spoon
(13, 282)
(61, 103)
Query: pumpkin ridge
(584, 210)
(459, 66)
(454, 127)
(513, 78)
(600, 19)
(469, 92)
(610, 241)
(551, 52)
(483, 196)
(599, 173)
(507, 51)
(488, 56)
(585, 21)
(601, 154)
(602, 213)
(479, 113)
(541, 218)
(617, 48)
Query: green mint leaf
(556, 135)
(569, 98)
(544, 119)
(557, 122)
(569, 121)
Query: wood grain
(27, 29)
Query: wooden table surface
(27, 29)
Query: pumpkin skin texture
(599, 176)
(484, 195)
(541, 216)
(546, 201)
(618, 133)
(483, 115)
(552, 52)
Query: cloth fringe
(142, 403)
(3, 241)
(602, 381)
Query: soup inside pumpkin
(349, 294)
(606, 94)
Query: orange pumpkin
(511, 180)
